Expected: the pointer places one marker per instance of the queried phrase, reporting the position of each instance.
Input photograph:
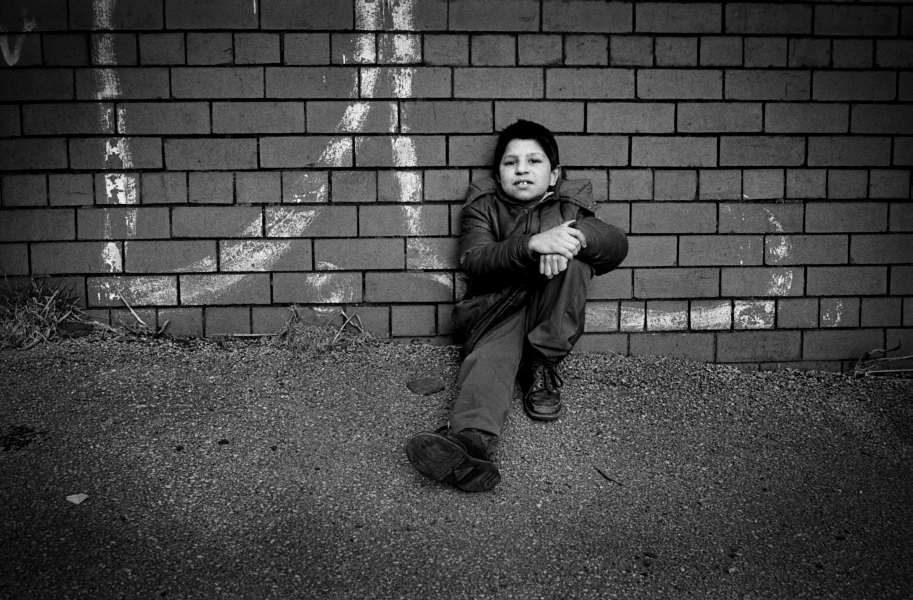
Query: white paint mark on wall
(754, 314)
(332, 288)
(112, 258)
(12, 56)
(292, 222)
(601, 317)
(666, 320)
(205, 264)
(252, 255)
(138, 290)
(208, 288)
(632, 317)
(832, 311)
(716, 315)
(443, 279)
(780, 283)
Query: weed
(31, 314)
(301, 337)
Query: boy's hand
(552, 264)
(563, 240)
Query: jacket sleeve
(606, 245)
(482, 254)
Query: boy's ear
(556, 173)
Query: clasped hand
(557, 246)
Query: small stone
(426, 385)
(223, 441)
(77, 498)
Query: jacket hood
(578, 191)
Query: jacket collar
(577, 191)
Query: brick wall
(213, 161)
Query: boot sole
(538, 416)
(446, 461)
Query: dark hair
(527, 130)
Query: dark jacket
(494, 248)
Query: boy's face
(525, 171)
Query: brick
(676, 51)
(399, 48)
(481, 15)
(847, 183)
(117, 188)
(263, 187)
(753, 314)
(411, 82)
(216, 221)
(665, 17)
(69, 190)
(680, 83)
(25, 190)
(558, 117)
(353, 48)
(797, 313)
(881, 312)
(162, 49)
(471, 151)
(907, 312)
(761, 281)
(169, 256)
(400, 151)
(212, 14)
(210, 154)
(833, 217)
(432, 253)
(593, 150)
(215, 289)
(408, 287)
(760, 18)
(136, 290)
(311, 151)
(257, 48)
(269, 319)
(399, 186)
(630, 184)
(631, 51)
(258, 117)
(729, 117)
(210, 48)
(122, 223)
(765, 52)
(405, 220)
(673, 218)
(839, 312)
(720, 184)
(711, 314)
(843, 281)
(218, 82)
(885, 183)
(882, 118)
(423, 16)
(651, 251)
(616, 284)
(586, 50)
(667, 315)
(75, 257)
(446, 117)
(679, 282)
(601, 316)
(116, 153)
(413, 320)
(854, 85)
(893, 54)
(29, 225)
(680, 151)
(762, 184)
(65, 50)
(14, 259)
(841, 344)
(769, 84)
(809, 52)
(494, 50)
(618, 117)
(481, 82)
(34, 154)
(311, 222)
(632, 316)
(354, 186)
(18, 85)
(903, 151)
(761, 151)
(708, 250)
(146, 83)
(120, 49)
(126, 14)
(446, 185)
(454, 50)
(616, 214)
(227, 321)
(265, 255)
(721, 51)
(745, 346)
(164, 188)
(675, 185)
(901, 216)
(306, 48)
(211, 188)
(586, 16)
(856, 20)
(66, 119)
(588, 83)
(884, 249)
(147, 118)
(806, 249)
(853, 54)
(901, 281)
(806, 183)
(10, 121)
(690, 346)
(305, 14)
(792, 117)
(760, 218)
(599, 180)
(863, 151)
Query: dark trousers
(547, 327)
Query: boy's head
(526, 161)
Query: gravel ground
(246, 471)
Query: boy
(530, 244)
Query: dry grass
(30, 315)
(308, 338)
